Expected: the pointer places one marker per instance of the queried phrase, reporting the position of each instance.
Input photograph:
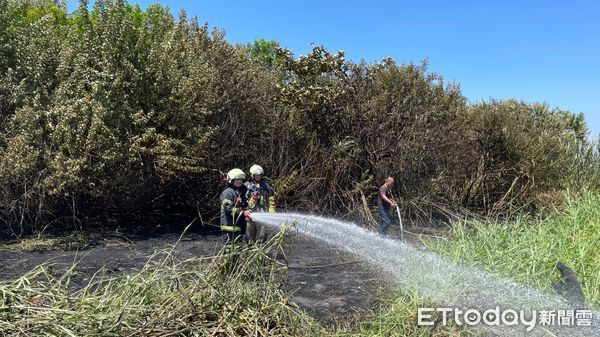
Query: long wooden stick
(400, 217)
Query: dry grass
(235, 293)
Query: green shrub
(125, 112)
(528, 249)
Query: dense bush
(121, 111)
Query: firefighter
(233, 205)
(260, 198)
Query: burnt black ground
(326, 282)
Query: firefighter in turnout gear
(260, 199)
(233, 205)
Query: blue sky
(530, 50)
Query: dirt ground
(329, 284)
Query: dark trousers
(385, 219)
(231, 237)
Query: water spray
(436, 279)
